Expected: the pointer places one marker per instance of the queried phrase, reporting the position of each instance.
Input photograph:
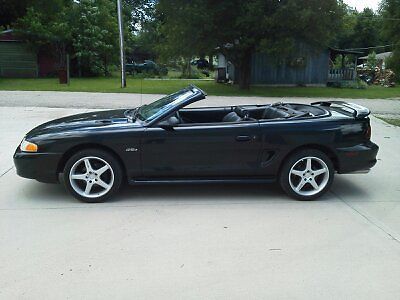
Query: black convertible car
(300, 146)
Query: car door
(201, 150)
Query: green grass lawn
(395, 122)
(112, 84)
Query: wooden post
(355, 67)
(121, 44)
(68, 69)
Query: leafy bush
(393, 63)
(354, 84)
(372, 62)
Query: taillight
(368, 132)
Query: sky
(361, 4)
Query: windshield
(150, 111)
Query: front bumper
(361, 157)
(39, 166)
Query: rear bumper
(39, 166)
(361, 157)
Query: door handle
(243, 138)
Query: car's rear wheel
(92, 175)
(307, 174)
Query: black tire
(112, 175)
(289, 181)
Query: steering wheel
(242, 112)
(178, 116)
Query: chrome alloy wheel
(91, 177)
(308, 176)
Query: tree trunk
(245, 71)
(189, 69)
(62, 55)
(186, 69)
(62, 69)
(79, 67)
(105, 66)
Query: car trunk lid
(357, 111)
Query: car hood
(85, 121)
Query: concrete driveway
(198, 242)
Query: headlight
(28, 146)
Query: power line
(375, 47)
(378, 17)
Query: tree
(95, 35)
(144, 27)
(239, 28)
(48, 23)
(137, 13)
(344, 38)
(183, 27)
(88, 29)
(367, 29)
(391, 29)
(360, 30)
(145, 43)
(11, 10)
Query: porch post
(355, 67)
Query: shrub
(393, 63)
(354, 84)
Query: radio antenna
(141, 91)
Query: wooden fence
(341, 74)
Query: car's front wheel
(92, 175)
(307, 174)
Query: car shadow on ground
(347, 189)
(179, 193)
(203, 192)
(165, 192)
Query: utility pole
(121, 44)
